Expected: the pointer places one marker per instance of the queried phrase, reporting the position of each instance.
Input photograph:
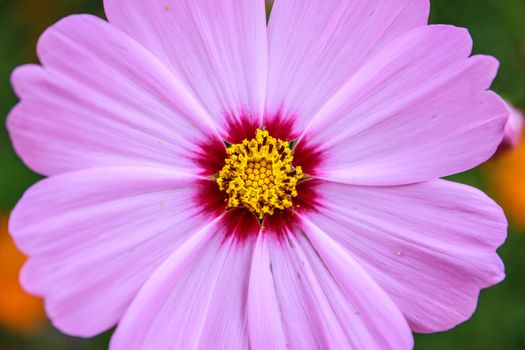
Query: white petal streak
(322, 309)
(264, 316)
(430, 246)
(101, 99)
(95, 236)
(217, 48)
(417, 111)
(196, 299)
(315, 46)
(382, 319)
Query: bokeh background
(498, 29)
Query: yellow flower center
(258, 174)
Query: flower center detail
(258, 174)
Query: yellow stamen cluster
(258, 174)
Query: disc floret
(258, 174)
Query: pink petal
(95, 236)
(431, 246)
(328, 301)
(315, 47)
(102, 99)
(218, 48)
(196, 299)
(264, 314)
(418, 110)
(207, 296)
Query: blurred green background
(497, 27)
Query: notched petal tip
(452, 32)
(489, 68)
(67, 24)
(21, 77)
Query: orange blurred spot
(19, 311)
(506, 176)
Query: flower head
(513, 130)
(218, 183)
(506, 176)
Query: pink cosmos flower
(159, 217)
(513, 129)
